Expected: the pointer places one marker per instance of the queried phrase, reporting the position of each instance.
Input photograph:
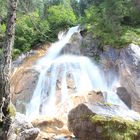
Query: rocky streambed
(83, 117)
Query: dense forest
(115, 23)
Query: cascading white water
(55, 69)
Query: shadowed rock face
(129, 70)
(124, 96)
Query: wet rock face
(129, 70)
(23, 87)
(90, 121)
(76, 99)
(73, 47)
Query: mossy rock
(12, 110)
(90, 121)
(116, 128)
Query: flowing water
(55, 69)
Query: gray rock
(129, 70)
(22, 129)
(73, 47)
(89, 47)
(30, 134)
(110, 54)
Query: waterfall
(55, 72)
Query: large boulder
(90, 121)
(129, 70)
(21, 129)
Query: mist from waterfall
(55, 69)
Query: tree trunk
(5, 69)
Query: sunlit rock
(129, 70)
(23, 88)
(76, 99)
(24, 78)
(51, 128)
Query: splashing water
(55, 71)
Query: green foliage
(130, 35)
(16, 53)
(38, 21)
(75, 6)
(30, 30)
(108, 20)
(3, 9)
(61, 17)
(116, 128)
(84, 4)
(2, 28)
(25, 34)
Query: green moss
(17, 130)
(15, 53)
(12, 110)
(116, 128)
(108, 104)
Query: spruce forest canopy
(111, 22)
